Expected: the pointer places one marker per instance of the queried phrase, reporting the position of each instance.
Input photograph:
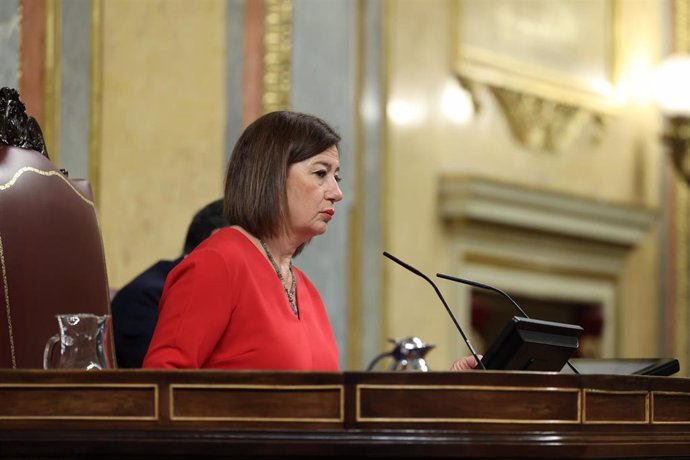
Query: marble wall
(9, 43)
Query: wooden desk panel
(78, 401)
(257, 403)
(670, 407)
(466, 404)
(202, 414)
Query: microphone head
(407, 266)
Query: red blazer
(224, 307)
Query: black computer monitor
(533, 345)
(625, 366)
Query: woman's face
(312, 191)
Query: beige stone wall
(423, 142)
(162, 151)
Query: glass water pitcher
(84, 343)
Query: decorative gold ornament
(277, 55)
(545, 124)
(677, 137)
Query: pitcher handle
(48, 351)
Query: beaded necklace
(291, 291)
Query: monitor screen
(624, 366)
(533, 345)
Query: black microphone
(440, 296)
(495, 289)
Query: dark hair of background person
(208, 219)
(255, 182)
(135, 306)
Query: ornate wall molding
(545, 124)
(548, 101)
(277, 55)
(541, 244)
(469, 198)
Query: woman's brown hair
(255, 182)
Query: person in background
(237, 301)
(135, 307)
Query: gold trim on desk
(488, 388)
(646, 420)
(339, 419)
(76, 386)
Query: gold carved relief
(277, 53)
(549, 97)
(545, 124)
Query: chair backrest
(51, 255)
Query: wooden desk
(163, 414)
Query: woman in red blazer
(237, 302)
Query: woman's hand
(465, 363)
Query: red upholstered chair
(51, 255)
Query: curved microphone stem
(440, 296)
(491, 288)
(483, 286)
